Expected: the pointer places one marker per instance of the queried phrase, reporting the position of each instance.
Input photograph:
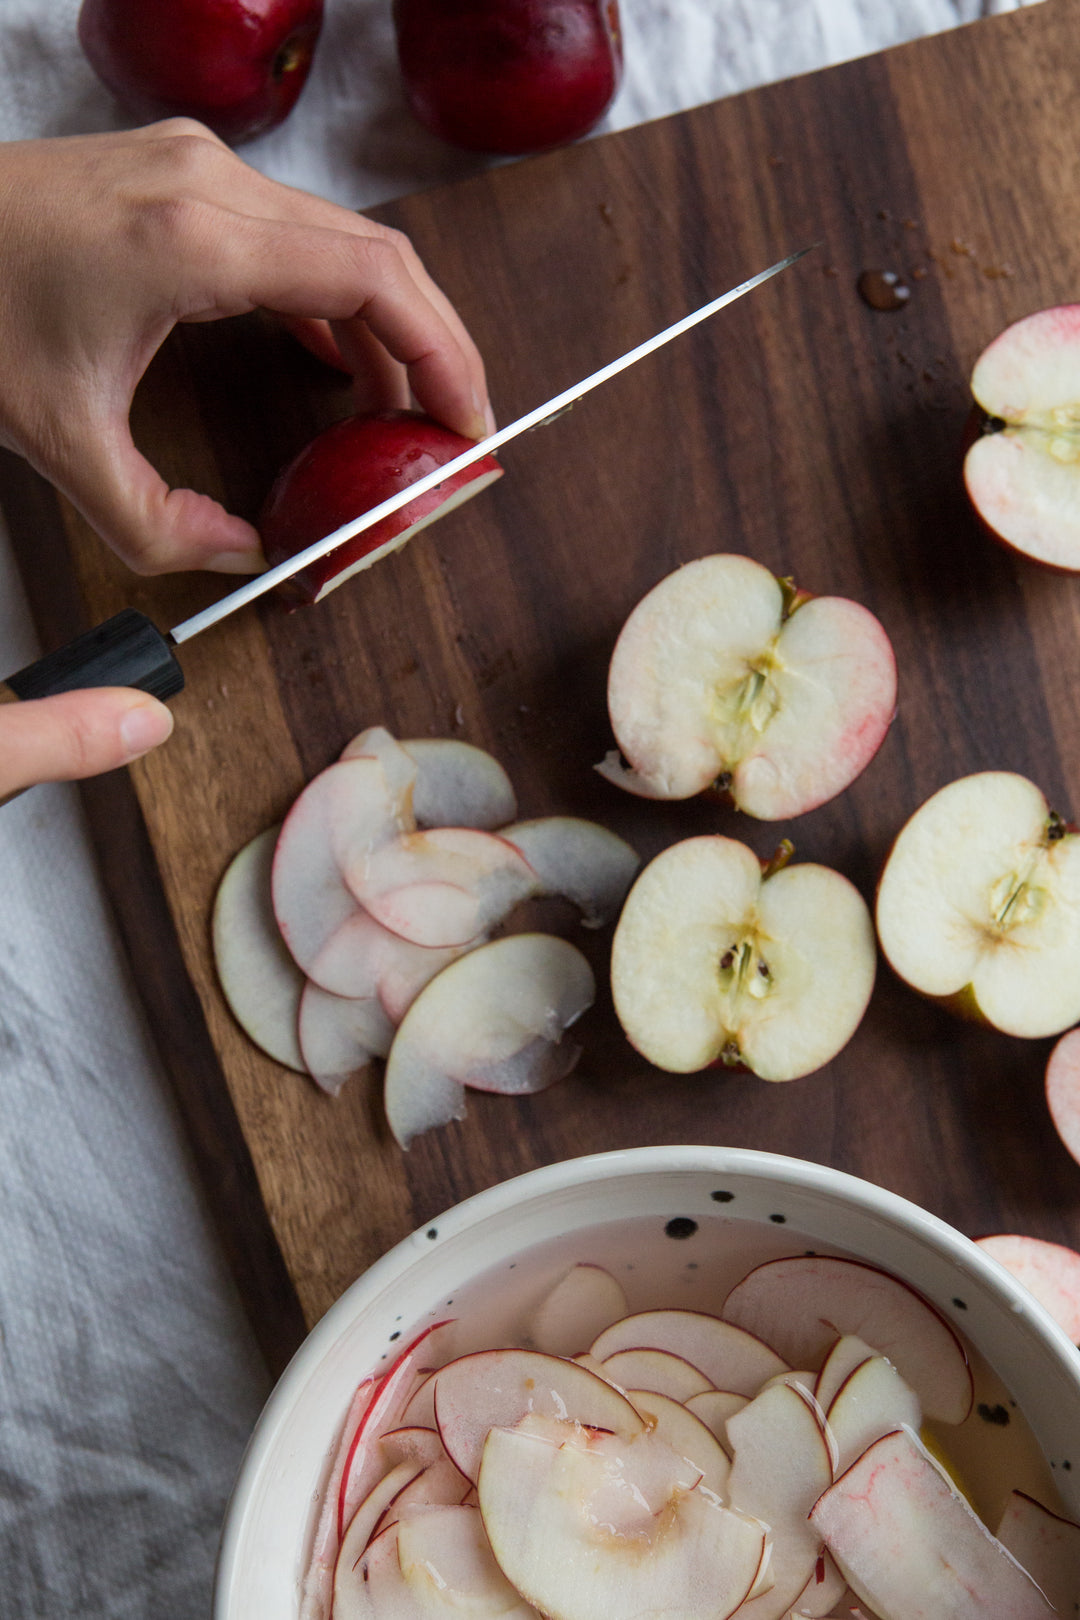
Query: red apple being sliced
(979, 905)
(582, 1303)
(351, 468)
(1022, 472)
(657, 1370)
(494, 1020)
(1049, 1271)
(911, 1546)
(258, 977)
(457, 784)
(339, 1037)
(724, 676)
(1047, 1546)
(716, 960)
(803, 1303)
(728, 1357)
(1063, 1090)
(601, 1528)
(444, 887)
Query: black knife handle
(127, 650)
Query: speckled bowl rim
(1030, 1352)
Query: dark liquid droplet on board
(883, 289)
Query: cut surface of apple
(1049, 1271)
(715, 961)
(348, 1572)
(351, 468)
(847, 1353)
(258, 977)
(1022, 473)
(729, 1357)
(578, 860)
(725, 676)
(911, 1546)
(340, 1036)
(447, 1563)
(456, 784)
(657, 1370)
(979, 905)
(578, 1308)
(495, 1020)
(1047, 1546)
(871, 1402)
(1063, 1090)
(595, 1528)
(803, 1303)
(443, 887)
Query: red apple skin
(236, 65)
(347, 469)
(509, 76)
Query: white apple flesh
(258, 977)
(1023, 472)
(1048, 1547)
(1063, 1090)
(723, 676)
(717, 962)
(1049, 1271)
(847, 1353)
(979, 905)
(657, 1370)
(728, 1357)
(581, 1304)
(443, 887)
(448, 1566)
(339, 1037)
(670, 1421)
(578, 860)
(456, 784)
(871, 1402)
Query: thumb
(77, 734)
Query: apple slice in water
(728, 1357)
(725, 676)
(494, 1020)
(687, 1436)
(871, 1402)
(911, 1546)
(350, 468)
(438, 1485)
(657, 1370)
(801, 1304)
(339, 1037)
(782, 1463)
(716, 960)
(318, 1585)
(822, 1592)
(979, 905)
(449, 1568)
(442, 887)
(579, 861)
(1047, 1546)
(497, 1388)
(581, 1304)
(457, 784)
(714, 1407)
(349, 1573)
(595, 1529)
(847, 1353)
(258, 977)
(1049, 1271)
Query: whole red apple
(509, 76)
(237, 65)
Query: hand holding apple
(238, 65)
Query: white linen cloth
(128, 1378)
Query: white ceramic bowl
(507, 1245)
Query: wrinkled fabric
(129, 1381)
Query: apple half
(350, 468)
(1022, 472)
(979, 905)
(726, 677)
(717, 960)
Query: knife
(129, 649)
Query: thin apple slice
(341, 818)
(258, 977)
(657, 1370)
(413, 1442)
(446, 886)
(339, 1037)
(361, 1587)
(362, 959)
(1047, 1546)
(348, 1572)
(803, 1303)
(1049, 1271)
(497, 1388)
(725, 675)
(493, 1020)
(911, 1546)
(871, 1402)
(822, 1592)
(714, 1407)
(449, 1568)
(717, 961)
(847, 1353)
(578, 1535)
(318, 1585)
(782, 1463)
(398, 765)
(678, 1428)
(979, 905)
(579, 861)
(1063, 1090)
(438, 1485)
(729, 1357)
(581, 1304)
(420, 1412)
(457, 784)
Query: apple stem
(783, 853)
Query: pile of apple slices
(721, 959)
(361, 929)
(726, 677)
(763, 1463)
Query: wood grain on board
(801, 427)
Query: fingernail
(143, 728)
(236, 562)
(484, 415)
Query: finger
(77, 734)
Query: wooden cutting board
(801, 427)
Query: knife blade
(129, 650)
